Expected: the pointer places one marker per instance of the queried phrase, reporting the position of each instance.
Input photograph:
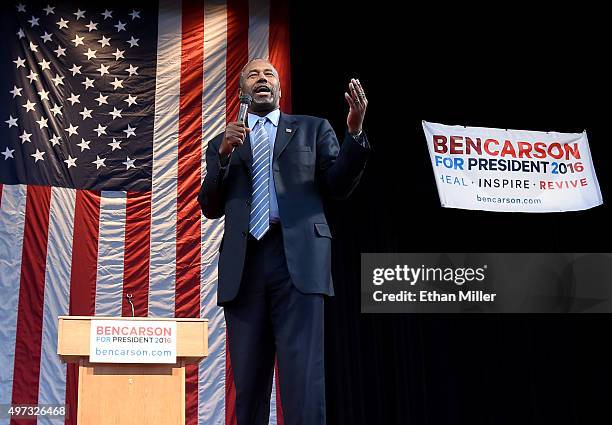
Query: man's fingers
(349, 99)
(360, 93)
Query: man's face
(262, 83)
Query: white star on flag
(42, 122)
(20, 34)
(120, 26)
(132, 70)
(38, 156)
(84, 144)
(115, 145)
(8, 153)
(129, 132)
(79, 14)
(55, 140)
(70, 161)
(100, 130)
(133, 41)
(74, 98)
(86, 113)
(58, 80)
(34, 21)
(101, 99)
(44, 95)
(119, 54)
(99, 162)
(12, 121)
(129, 163)
(29, 106)
(117, 83)
(19, 62)
(44, 64)
(102, 70)
(75, 69)
(135, 14)
(49, 10)
(62, 23)
(33, 76)
(90, 54)
(60, 51)
(104, 41)
(25, 137)
(107, 14)
(92, 26)
(72, 130)
(56, 110)
(88, 83)
(116, 113)
(78, 40)
(21, 7)
(46, 37)
(16, 91)
(131, 100)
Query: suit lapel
(287, 126)
(245, 153)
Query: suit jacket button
(248, 203)
(244, 234)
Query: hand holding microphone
(236, 131)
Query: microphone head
(246, 99)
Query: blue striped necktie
(260, 200)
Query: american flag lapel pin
(288, 130)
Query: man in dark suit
(269, 178)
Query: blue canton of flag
(77, 95)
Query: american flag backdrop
(107, 109)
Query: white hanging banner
(491, 169)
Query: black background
(504, 67)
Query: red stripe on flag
(137, 253)
(188, 233)
(280, 419)
(278, 48)
(1, 187)
(237, 53)
(31, 297)
(237, 56)
(189, 162)
(83, 275)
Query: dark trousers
(270, 316)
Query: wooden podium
(126, 394)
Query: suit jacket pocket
(322, 230)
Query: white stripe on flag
(211, 376)
(12, 221)
(165, 159)
(52, 380)
(111, 249)
(259, 26)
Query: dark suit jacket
(308, 166)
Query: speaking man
(269, 177)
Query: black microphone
(245, 102)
